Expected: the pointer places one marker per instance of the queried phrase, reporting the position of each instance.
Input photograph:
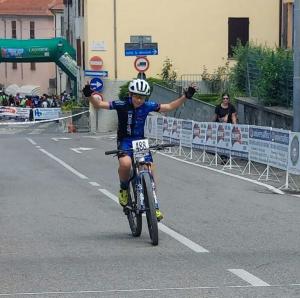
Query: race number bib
(140, 145)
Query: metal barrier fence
(266, 153)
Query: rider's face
(138, 100)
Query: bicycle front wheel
(133, 216)
(150, 209)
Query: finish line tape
(41, 121)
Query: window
(78, 46)
(79, 7)
(287, 25)
(32, 31)
(238, 29)
(15, 65)
(83, 55)
(13, 29)
(32, 65)
(62, 28)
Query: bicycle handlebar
(154, 147)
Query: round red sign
(141, 64)
(96, 63)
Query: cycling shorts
(127, 144)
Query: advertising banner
(186, 133)
(150, 128)
(211, 137)
(159, 128)
(279, 148)
(15, 113)
(293, 159)
(167, 128)
(46, 113)
(240, 141)
(175, 131)
(199, 135)
(259, 143)
(224, 138)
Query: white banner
(186, 133)
(240, 141)
(176, 131)
(46, 113)
(167, 128)
(150, 128)
(211, 137)
(199, 135)
(159, 128)
(224, 138)
(294, 161)
(259, 143)
(279, 148)
(16, 113)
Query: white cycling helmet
(139, 86)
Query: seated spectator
(225, 112)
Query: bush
(73, 104)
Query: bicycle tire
(150, 209)
(134, 218)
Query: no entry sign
(96, 63)
(141, 64)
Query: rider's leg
(124, 174)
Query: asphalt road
(63, 235)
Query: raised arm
(95, 99)
(167, 107)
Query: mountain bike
(141, 190)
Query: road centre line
(31, 141)
(94, 183)
(248, 277)
(75, 172)
(270, 187)
(180, 238)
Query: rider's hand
(87, 90)
(189, 92)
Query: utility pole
(296, 90)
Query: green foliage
(264, 73)
(217, 79)
(168, 74)
(209, 98)
(73, 104)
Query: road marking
(248, 277)
(79, 149)
(270, 187)
(31, 141)
(180, 238)
(94, 183)
(57, 139)
(187, 242)
(75, 172)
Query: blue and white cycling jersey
(132, 120)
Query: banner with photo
(175, 131)
(259, 143)
(211, 137)
(279, 148)
(186, 133)
(159, 128)
(239, 141)
(167, 128)
(223, 138)
(199, 135)
(150, 128)
(293, 159)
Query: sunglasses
(225, 97)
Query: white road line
(75, 172)
(94, 183)
(180, 238)
(187, 242)
(270, 187)
(31, 141)
(248, 277)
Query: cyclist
(132, 114)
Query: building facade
(28, 19)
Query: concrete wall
(192, 109)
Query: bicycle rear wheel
(150, 209)
(134, 218)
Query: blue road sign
(94, 73)
(141, 52)
(96, 84)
